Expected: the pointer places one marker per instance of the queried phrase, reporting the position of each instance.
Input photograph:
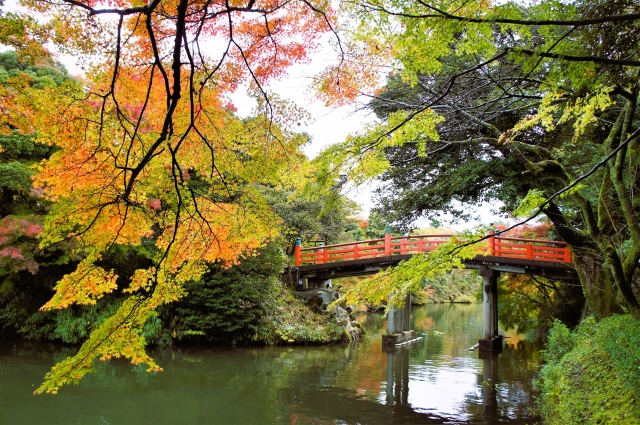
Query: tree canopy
(509, 102)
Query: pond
(436, 380)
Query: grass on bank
(592, 375)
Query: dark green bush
(240, 304)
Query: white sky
(332, 125)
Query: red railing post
(492, 242)
(387, 242)
(355, 252)
(421, 244)
(320, 254)
(297, 251)
(567, 254)
(529, 251)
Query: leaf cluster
(393, 285)
(525, 100)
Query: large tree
(513, 103)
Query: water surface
(437, 380)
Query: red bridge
(316, 266)
(524, 249)
(535, 257)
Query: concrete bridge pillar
(391, 320)
(490, 338)
(406, 314)
(398, 324)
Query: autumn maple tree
(148, 150)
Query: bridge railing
(530, 249)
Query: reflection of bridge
(349, 407)
(316, 266)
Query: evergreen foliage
(37, 76)
(239, 304)
(512, 103)
(328, 217)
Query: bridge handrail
(342, 244)
(368, 241)
(504, 238)
(445, 235)
(523, 248)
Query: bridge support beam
(406, 315)
(491, 340)
(398, 324)
(319, 283)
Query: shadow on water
(437, 380)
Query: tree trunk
(6, 202)
(597, 283)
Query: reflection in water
(398, 374)
(489, 384)
(436, 380)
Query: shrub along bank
(240, 304)
(592, 375)
(245, 303)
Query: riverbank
(243, 304)
(592, 375)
